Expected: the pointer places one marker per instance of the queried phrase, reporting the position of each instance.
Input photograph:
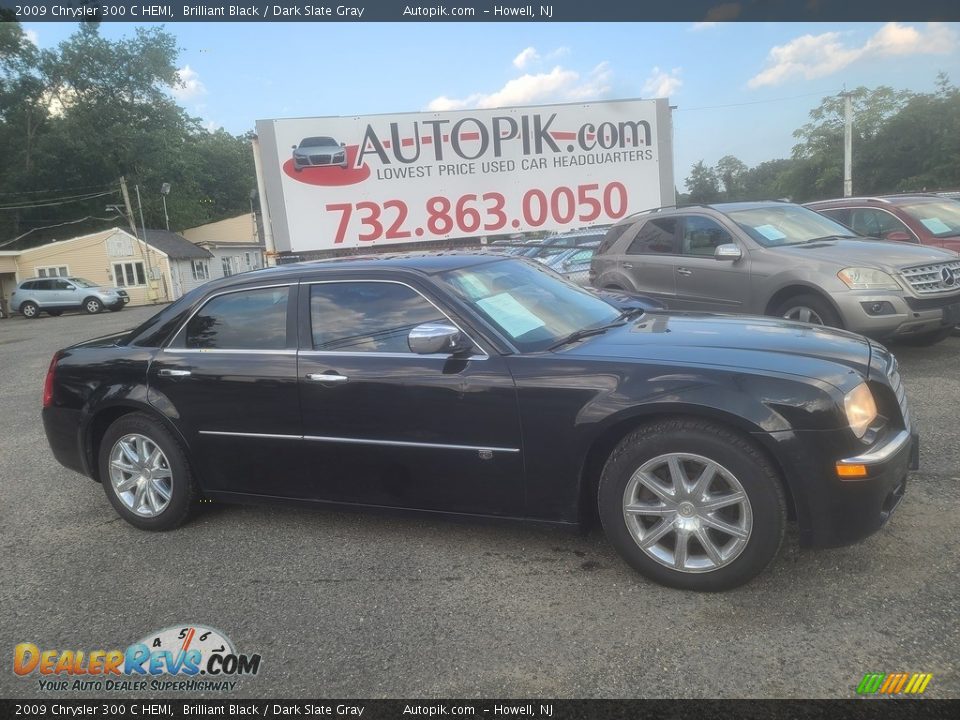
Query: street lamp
(164, 191)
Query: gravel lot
(358, 605)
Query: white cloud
(190, 84)
(32, 36)
(559, 85)
(698, 26)
(814, 56)
(211, 126)
(526, 56)
(661, 83)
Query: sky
(740, 88)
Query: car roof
(897, 199)
(580, 232)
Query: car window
(30, 285)
(367, 316)
(42, 285)
(656, 236)
(702, 236)
(875, 223)
(941, 218)
(610, 239)
(841, 215)
(245, 320)
(62, 285)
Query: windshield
(941, 219)
(531, 306)
(778, 225)
(318, 142)
(80, 282)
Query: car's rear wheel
(30, 310)
(692, 505)
(809, 309)
(145, 473)
(92, 306)
(55, 313)
(926, 339)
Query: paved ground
(348, 605)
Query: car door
(384, 426)
(703, 282)
(64, 294)
(228, 379)
(44, 293)
(651, 257)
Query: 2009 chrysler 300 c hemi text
(483, 385)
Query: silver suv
(56, 294)
(775, 258)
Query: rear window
(613, 234)
(243, 320)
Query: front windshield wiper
(829, 237)
(629, 313)
(586, 332)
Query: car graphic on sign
(321, 151)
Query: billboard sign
(336, 182)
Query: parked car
(573, 263)
(552, 244)
(914, 218)
(781, 259)
(481, 385)
(56, 294)
(319, 152)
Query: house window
(248, 261)
(56, 271)
(230, 265)
(201, 270)
(129, 274)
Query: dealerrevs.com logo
(179, 658)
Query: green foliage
(902, 142)
(90, 110)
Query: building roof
(174, 245)
(238, 230)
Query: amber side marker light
(851, 472)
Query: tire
(30, 310)
(926, 339)
(756, 506)
(117, 308)
(812, 307)
(54, 313)
(91, 306)
(159, 500)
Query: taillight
(48, 380)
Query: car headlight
(860, 408)
(858, 278)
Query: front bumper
(832, 511)
(902, 314)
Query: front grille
(935, 278)
(896, 383)
(320, 159)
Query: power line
(59, 201)
(57, 190)
(754, 102)
(49, 227)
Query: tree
(731, 172)
(703, 186)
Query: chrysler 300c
(482, 385)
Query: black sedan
(479, 385)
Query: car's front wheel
(809, 309)
(92, 306)
(692, 505)
(145, 473)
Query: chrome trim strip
(268, 436)
(404, 443)
(227, 351)
(409, 355)
(882, 453)
(397, 282)
(359, 441)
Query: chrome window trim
(226, 291)
(361, 441)
(453, 322)
(226, 351)
(357, 354)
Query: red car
(915, 218)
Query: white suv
(56, 294)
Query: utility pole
(126, 202)
(847, 143)
(146, 249)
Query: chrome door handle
(684, 271)
(326, 377)
(628, 266)
(167, 372)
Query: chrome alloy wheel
(141, 475)
(802, 313)
(687, 512)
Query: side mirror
(343, 144)
(437, 337)
(70, 287)
(898, 236)
(293, 147)
(728, 251)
